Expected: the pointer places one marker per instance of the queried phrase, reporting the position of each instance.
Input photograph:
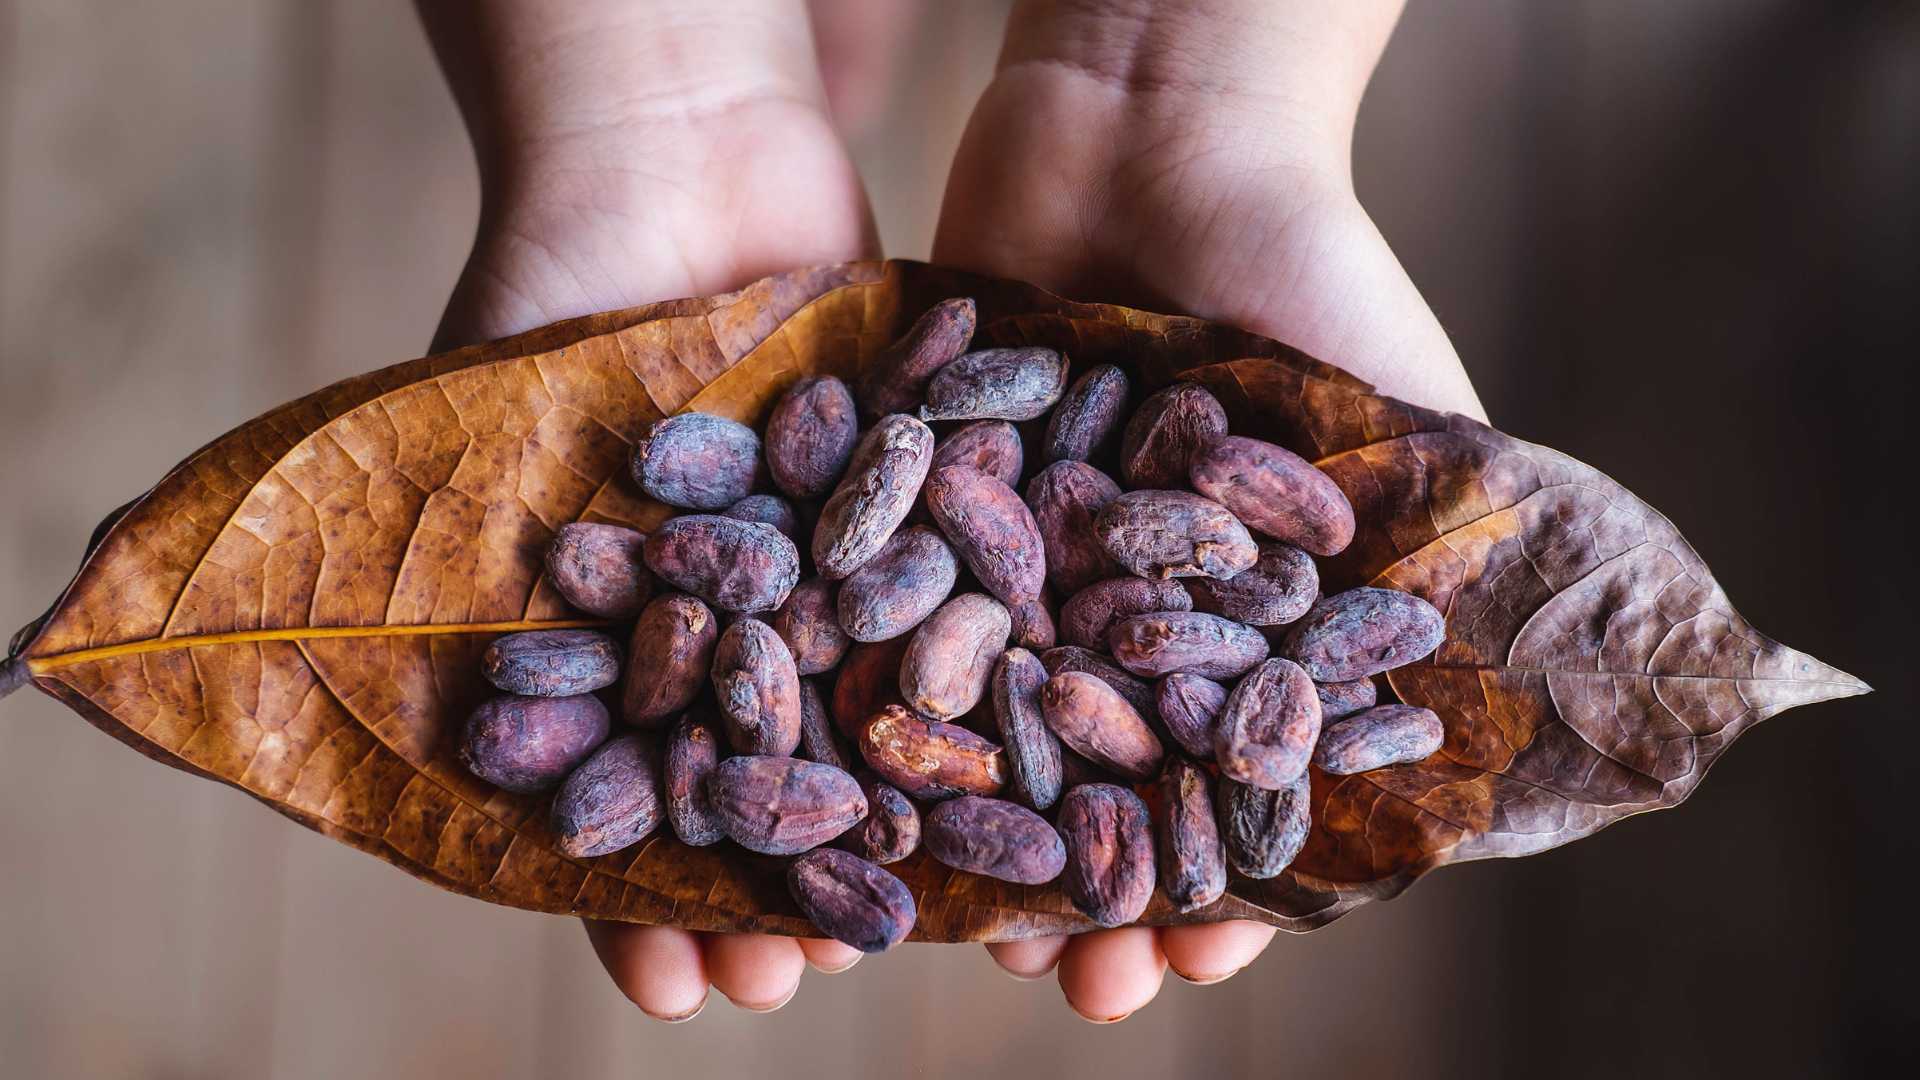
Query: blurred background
(1678, 241)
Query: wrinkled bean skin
(1110, 872)
(949, 662)
(697, 461)
(782, 805)
(767, 510)
(868, 680)
(851, 900)
(1339, 700)
(996, 838)
(1033, 624)
(1165, 431)
(528, 744)
(899, 587)
(1032, 749)
(878, 491)
(818, 741)
(992, 446)
(1093, 719)
(809, 622)
(1066, 498)
(991, 529)
(1169, 534)
(669, 658)
(998, 384)
(1193, 864)
(693, 750)
(1275, 491)
(890, 831)
(1138, 693)
(1263, 831)
(1087, 417)
(929, 759)
(600, 569)
(810, 436)
(1362, 632)
(1274, 591)
(552, 663)
(1190, 708)
(1379, 737)
(1268, 726)
(1164, 642)
(733, 565)
(758, 690)
(896, 381)
(1093, 611)
(611, 801)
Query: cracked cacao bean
(758, 690)
(1087, 417)
(783, 805)
(1275, 491)
(1165, 431)
(1168, 534)
(1268, 726)
(1190, 708)
(992, 446)
(874, 497)
(1193, 864)
(552, 663)
(527, 744)
(868, 679)
(1362, 632)
(894, 591)
(668, 659)
(1277, 589)
(996, 838)
(1339, 700)
(997, 384)
(1109, 874)
(1066, 498)
(1033, 624)
(1093, 611)
(929, 759)
(810, 436)
(818, 740)
(767, 510)
(734, 565)
(1263, 831)
(949, 661)
(600, 569)
(1139, 694)
(1033, 751)
(697, 461)
(693, 750)
(1378, 737)
(1096, 722)
(809, 622)
(611, 801)
(1164, 642)
(991, 529)
(851, 900)
(890, 831)
(896, 380)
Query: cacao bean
(1263, 831)
(896, 380)
(1093, 719)
(851, 900)
(929, 759)
(552, 663)
(1277, 589)
(668, 659)
(1164, 433)
(1190, 708)
(1000, 384)
(527, 744)
(1139, 694)
(782, 805)
(1362, 632)
(1033, 751)
(810, 436)
(1381, 736)
(600, 569)
(1275, 491)
(1033, 624)
(890, 831)
(733, 565)
(1168, 534)
(1268, 726)
(1109, 874)
(758, 690)
(767, 510)
(1087, 417)
(899, 587)
(693, 750)
(874, 497)
(611, 801)
(697, 461)
(1339, 700)
(809, 623)
(996, 838)
(818, 741)
(868, 680)
(992, 446)
(1066, 498)
(949, 661)
(1193, 865)
(1093, 611)
(991, 529)
(1191, 641)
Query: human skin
(1182, 156)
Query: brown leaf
(298, 609)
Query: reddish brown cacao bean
(1268, 726)
(1066, 498)
(767, 510)
(1363, 632)
(527, 744)
(809, 622)
(1087, 417)
(600, 569)
(611, 801)
(1168, 534)
(668, 659)
(949, 661)
(851, 900)
(896, 380)
(697, 461)
(1190, 708)
(552, 663)
(996, 838)
(810, 436)
(1339, 700)
(1274, 591)
(1262, 830)
(1033, 624)
(1193, 865)
(758, 690)
(693, 750)
(818, 740)
(1164, 433)
(1033, 751)
(1093, 611)
(1191, 641)
(991, 529)
(899, 587)
(992, 446)
(1381, 736)
(782, 805)
(872, 500)
(1275, 491)
(1139, 694)
(929, 759)
(868, 679)
(1000, 384)
(890, 831)
(1093, 719)
(733, 565)
(1110, 873)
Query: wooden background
(1677, 240)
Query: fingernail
(841, 968)
(1207, 980)
(1110, 1019)
(683, 1017)
(1021, 976)
(767, 1008)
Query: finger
(659, 968)
(1209, 954)
(828, 956)
(757, 972)
(1109, 974)
(1029, 959)
(859, 42)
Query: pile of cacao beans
(898, 648)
